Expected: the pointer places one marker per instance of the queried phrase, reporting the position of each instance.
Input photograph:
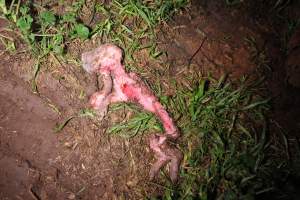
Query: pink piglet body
(120, 86)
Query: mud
(26, 134)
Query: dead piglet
(120, 86)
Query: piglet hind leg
(176, 158)
(164, 154)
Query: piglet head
(104, 58)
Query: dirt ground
(83, 161)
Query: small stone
(71, 196)
(68, 144)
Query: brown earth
(83, 161)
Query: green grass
(224, 135)
(47, 32)
(140, 123)
(82, 113)
(126, 23)
(44, 31)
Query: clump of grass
(258, 56)
(224, 138)
(126, 23)
(47, 32)
(8, 43)
(41, 29)
(140, 123)
(82, 113)
(44, 31)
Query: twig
(7, 37)
(162, 186)
(197, 51)
(93, 13)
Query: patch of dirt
(83, 161)
(209, 40)
(29, 149)
(80, 162)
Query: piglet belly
(134, 93)
(130, 91)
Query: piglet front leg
(100, 100)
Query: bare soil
(83, 161)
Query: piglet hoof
(176, 158)
(99, 103)
(161, 158)
(164, 154)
